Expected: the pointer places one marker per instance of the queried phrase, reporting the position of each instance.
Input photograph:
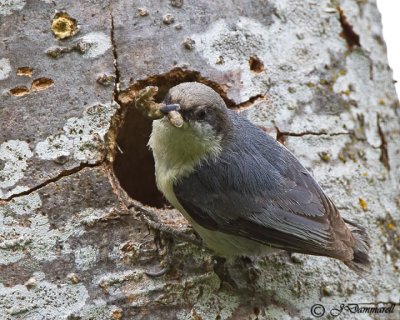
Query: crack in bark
(115, 56)
(249, 102)
(119, 115)
(322, 133)
(281, 135)
(384, 158)
(57, 178)
(348, 33)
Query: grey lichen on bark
(313, 74)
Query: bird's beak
(165, 109)
(173, 114)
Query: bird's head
(201, 110)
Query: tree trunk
(77, 180)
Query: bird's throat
(177, 151)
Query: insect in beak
(173, 114)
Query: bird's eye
(201, 114)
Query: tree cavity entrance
(133, 163)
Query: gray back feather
(257, 189)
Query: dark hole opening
(134, 166)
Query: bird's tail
(360, 262)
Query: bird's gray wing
(265, 194)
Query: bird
(243, 192)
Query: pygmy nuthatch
(244, 193)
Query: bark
(73, 155)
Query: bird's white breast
(177, 151)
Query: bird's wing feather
(263, 193)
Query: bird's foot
(238, 274)
(150, 218)
(167, 263)
(221, 269)
(252, 271)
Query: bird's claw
(167, 262)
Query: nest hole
(133, 161)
